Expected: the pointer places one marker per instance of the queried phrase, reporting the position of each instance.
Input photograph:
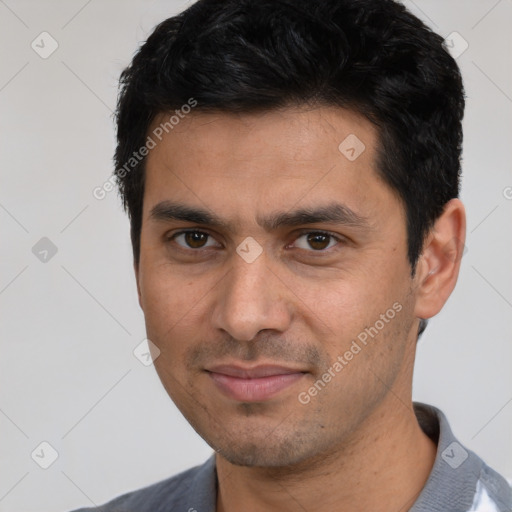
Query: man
(291, 172)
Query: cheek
(337, 303)
(171, 308)
(352, 307)
(170, 304)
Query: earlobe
(439, 264)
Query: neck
(384, 467)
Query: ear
(438, 266)
(137, 280)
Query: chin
(255, 457)
(261, 453)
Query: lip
(255, 384)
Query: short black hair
(242, 56)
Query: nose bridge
(250, 299)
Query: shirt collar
(452, 481)
(450, 486)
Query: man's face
(247, 326)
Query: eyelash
(337, 238)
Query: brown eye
(316, 240)
(192, 239)
(195, 239)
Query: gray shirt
(459, 481)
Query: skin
(357, 444)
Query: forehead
(247, 164)
(298, 133)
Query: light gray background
(69, 327)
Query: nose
(251, 297)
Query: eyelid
(305, 231)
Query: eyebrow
(334, 213)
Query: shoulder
(188, 490)
(492, 490)
(459, 480)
